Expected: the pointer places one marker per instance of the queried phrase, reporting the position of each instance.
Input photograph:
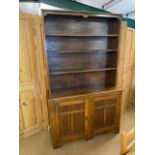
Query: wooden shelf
(82, 71)
(82, 50)
(81, 35)
(58, 93)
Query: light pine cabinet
(32, 100)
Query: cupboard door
(105, 113)
(30, 98)
(27, 51)
(69, 119)
(30, 120)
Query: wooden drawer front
(105, 109)
(71, 115)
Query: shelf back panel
(76, 25)
(80, 61)
(80, 43)
(72, 43)
(103, 79)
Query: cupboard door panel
(105, 113)
(72, 124)
(110, 116)
(26, 53)
(68, 119)
(71, 116)
(29, 110)
(99, 118)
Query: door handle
(25, 104)
(88, 118)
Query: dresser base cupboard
(84, 116)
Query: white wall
(33, 8)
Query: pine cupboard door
(29, 90)
(69, 119)
(30, 112)
(106, 113)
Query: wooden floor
(107, 144)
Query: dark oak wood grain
(82, 53)
(81, 61)
(79, 25)
(102, 79)
(84, 116)
(78, 43)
